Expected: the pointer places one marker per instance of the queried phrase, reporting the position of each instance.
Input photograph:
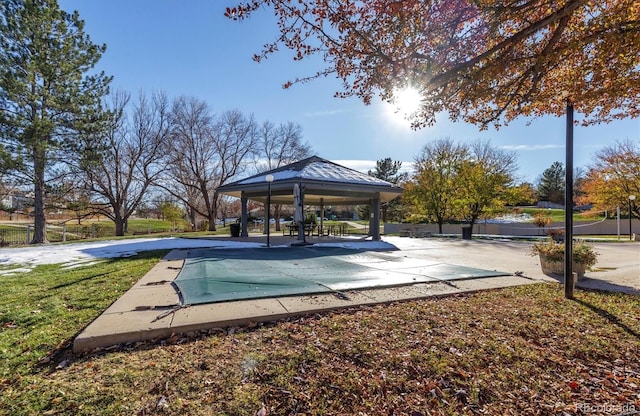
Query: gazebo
(321, 183)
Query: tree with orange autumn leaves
(614, 176)
(481, 61)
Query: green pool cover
(217, 275)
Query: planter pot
(557, 267)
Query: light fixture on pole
(631, 199)
(269, 179)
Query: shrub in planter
(552, 256)
(542, 220)
(556, 234)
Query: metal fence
(23, 234)
(12, 236)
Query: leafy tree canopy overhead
(483, 61)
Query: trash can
(235, 230)
(466, 232)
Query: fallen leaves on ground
(513, 351)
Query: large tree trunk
(212, 222)
(213, 209)
(192, 219)
(473, 221)
(121, 225)
(40, 220)
(212, 218)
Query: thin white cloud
(323, 113)
(359, 165)
(367, 165)
(531, 147)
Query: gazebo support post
(301, 235)
(374, 222)
(321, 217)
(244, 217)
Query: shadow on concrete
(603, 285)
(590, 283)
(128, 249)
(276, 253)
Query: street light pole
(269, 179)
(568, 206)
(631, 198)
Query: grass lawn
(523, 350)
(557, 215)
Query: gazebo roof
(321, 181)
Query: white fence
(606, 227)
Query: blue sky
(190, 48)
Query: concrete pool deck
(151, 308)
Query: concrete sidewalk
(151, 309)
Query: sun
(407, 100)
(405, 103)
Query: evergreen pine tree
(46, 96)
(551, 186)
